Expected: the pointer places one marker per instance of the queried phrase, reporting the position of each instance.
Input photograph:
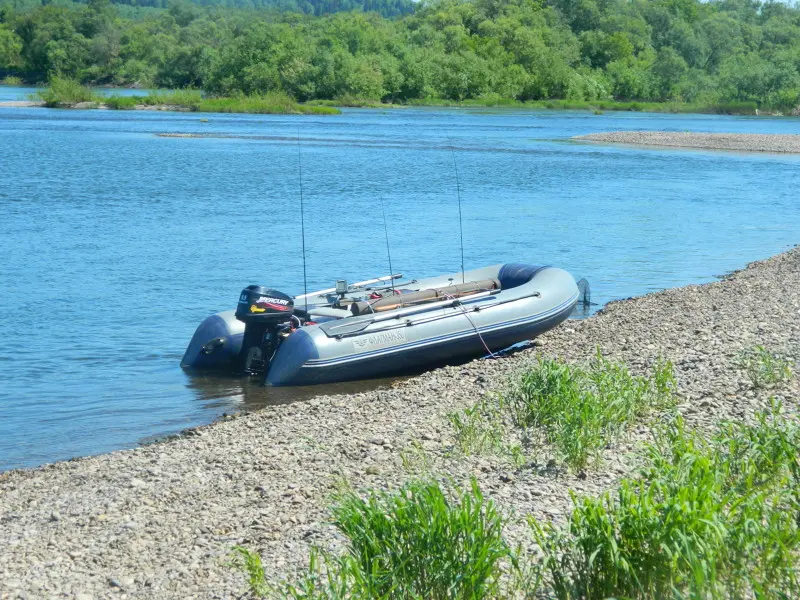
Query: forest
(723, 51)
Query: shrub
(117, 102)
(764, 368)
(270, 103)
(580, 410)
(250, 563)
(188, 99)
(704, 520)
(479, 429)
(414, 543)
(64, 91)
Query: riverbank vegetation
(68, 93)
(576, 410)
(709, 514)
(722, 56)
(422, 541)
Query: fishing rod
(302, 218)
(458, 194)
(386, 235)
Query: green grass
(276, 102)
(479, 429)
(195, 101)
(484, 429)
(250, 562)
(706, 519)
(580, 410)
(727, 108)
(117, 102)
(577, 410)
(418, 542)
(709, 516)
(64, 92)
(352, 102)
(11, 80)
(765, 369)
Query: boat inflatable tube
(431, 322)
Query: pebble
(741, 142)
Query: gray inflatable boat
(382, 326)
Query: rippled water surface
(117, 242)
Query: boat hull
(532, 301)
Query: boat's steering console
(267, 316)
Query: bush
(580, 410)
(188, 99)
(63, 91)
(270, 103)
(415, 543)
(764, 368)
(117, 102)
(711, 519)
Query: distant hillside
(735, 55)
(386, 8)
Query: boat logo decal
(270, 300)
(265, 302)
(382, 339)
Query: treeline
(385, 8)
(654, 50)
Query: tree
(10, 49)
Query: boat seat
(423, 296)
(513, 275)
(327, 311)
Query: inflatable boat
(382, 326)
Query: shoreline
(598, 107)
(160, 520)
(88, 106)
(225, 105)
(781, 143)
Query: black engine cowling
(265, 313)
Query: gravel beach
(159, 521)
(22, 104)
(741, 142)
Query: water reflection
(225, 392)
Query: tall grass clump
(185, 99)
(269, 103)
(250, 562)
(764, 368)
(579, 410)
(478, 429)
(63, 91)
(485, 429)
(11, 80)
(706, 519)
(413, 543)
(351, 101)
(117, 102)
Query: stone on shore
(741, 142)
(21, 104)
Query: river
(117, 242)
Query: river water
(117, 242)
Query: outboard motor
(266, 314)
